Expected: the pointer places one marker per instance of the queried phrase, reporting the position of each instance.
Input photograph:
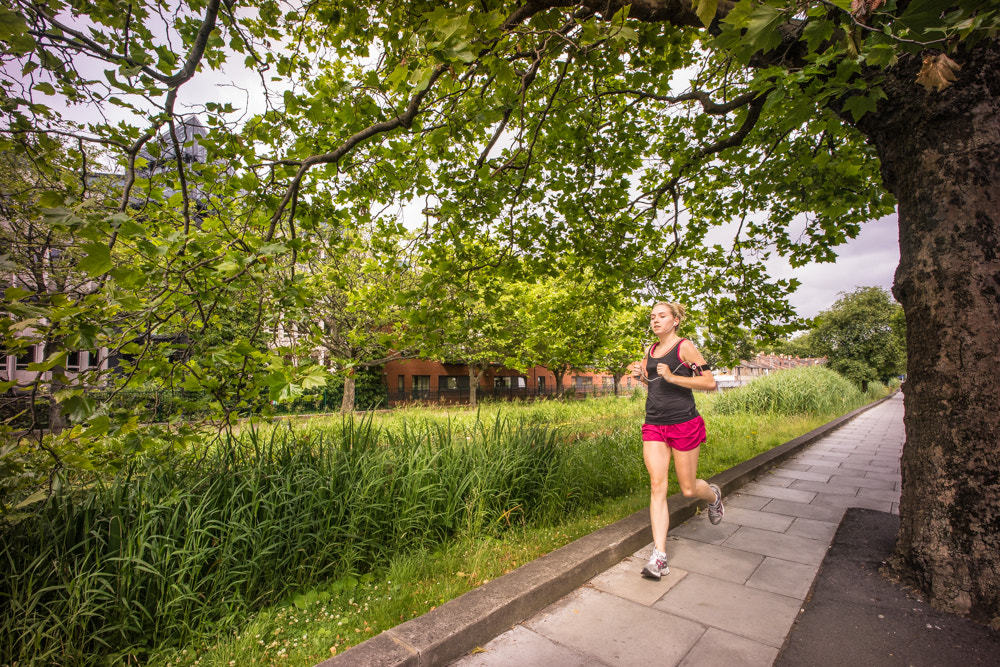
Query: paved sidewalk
(734, 589)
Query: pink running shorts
(683, 437)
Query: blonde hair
(675, 308)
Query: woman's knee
(689, 490)
(658, 486)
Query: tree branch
(404, 119)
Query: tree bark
(347, 402)
(559, 381)
(473, 385)
(56, 417)
(940, 154)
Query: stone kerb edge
(477, 616)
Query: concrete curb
(472, 619)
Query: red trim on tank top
(677, 345)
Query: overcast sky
(867, 261)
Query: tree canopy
(666, 146)
(862, 336)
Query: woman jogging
(672, 368)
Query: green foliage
(156, 554)
(862, 335)
(176, 547)
(543, 142)
(370, 394)
(564, 322)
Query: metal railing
(501, 394)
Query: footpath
(763, 587)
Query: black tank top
(667, 403)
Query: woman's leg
(686, 467)
(657, 458)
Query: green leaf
(97, 261)
(762, 28)
(859, 105)
(881, 55)
(15, 293)
(78, 408)
(11, 25)
(45, 87)
(817, 32)
(51, 199)
(98, 426)
(48, 364)
(316, 377)
(705, 9)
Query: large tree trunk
(940, 156)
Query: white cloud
(869, 260)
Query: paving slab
(718, 647)
(521, 646)
(888, 482)
(700, 529)
(722, 562)
(834, 500)
(621, 580)
(826, 469)
(747, 501)
(617, 631)
(778, 492)
(880, 494)
(805, 510)
(784, 577)
(852, 468)
(796, 473)
(773, 480)
(755, 614)
(813, 529)
(788, 547)
(739, 516)
(826, 487)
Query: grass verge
(312, 626)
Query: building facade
(425, 380)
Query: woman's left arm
(690, 355)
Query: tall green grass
(807, 390)
(169, 551)
(156, 555)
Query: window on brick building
(453, 383)
(583, 383)
(400, 383)
(541, 383)
(73, 361)
(510, 382)
(421, 385)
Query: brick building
(761, 365)
(421, 379)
